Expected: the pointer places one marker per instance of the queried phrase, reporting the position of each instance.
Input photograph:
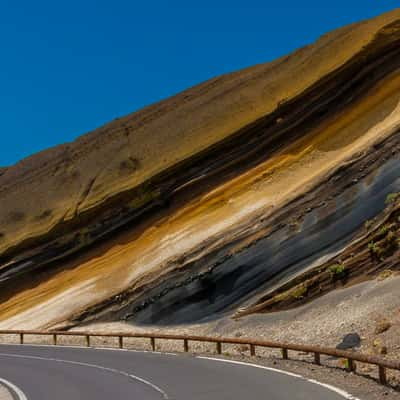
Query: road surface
(65, 373)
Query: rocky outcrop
(200, 204)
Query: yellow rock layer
(60, 183)
(119, 263)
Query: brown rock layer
(190, 179)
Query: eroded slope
(221, 191)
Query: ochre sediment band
(149, 238)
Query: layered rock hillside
(248, 193)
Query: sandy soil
(4, 393)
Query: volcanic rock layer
(211, 199)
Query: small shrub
(367, 224)
(386, 246)
(390, 239)
(375, 249)
(338, 271)
(391, 198)
(282, 296)
(384, 230)
(387, 273)
(299, 291)
(344, 363)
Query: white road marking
(112, 370)
(131, 350)
(15, 389)
(335, 389)
(61, 346)
(341, 392)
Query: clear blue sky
(70, 66)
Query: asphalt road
(64, 373)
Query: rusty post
(351, 365)
(87, 341)
(153, 343)
(55, 339)
(185, 345)
(121, 342)
(219, 347)
(21, 338)
(252, 350)
(317, 358)
(382, 375)
(285, 353)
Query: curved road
(65, 373)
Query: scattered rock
(349, 341)
(387, 273)
(377, 342)
(379, 347)
(243, 348)
(383, 350)
(382, 326)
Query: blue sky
(70, 66)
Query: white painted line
(132, 350)
(334, 389)
(44, 345)
(15, 389)
(340, 392)
(61, 346)
(112, 370)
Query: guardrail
(350, 356)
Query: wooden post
(317, 358)
(285, 354)
(153, 343)
(351, 365)
(382, 375)
(252, 350)
(185, 345)
(121, 342)
(21, 338)
(55, 339)
(87, 340)
(219, 347)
